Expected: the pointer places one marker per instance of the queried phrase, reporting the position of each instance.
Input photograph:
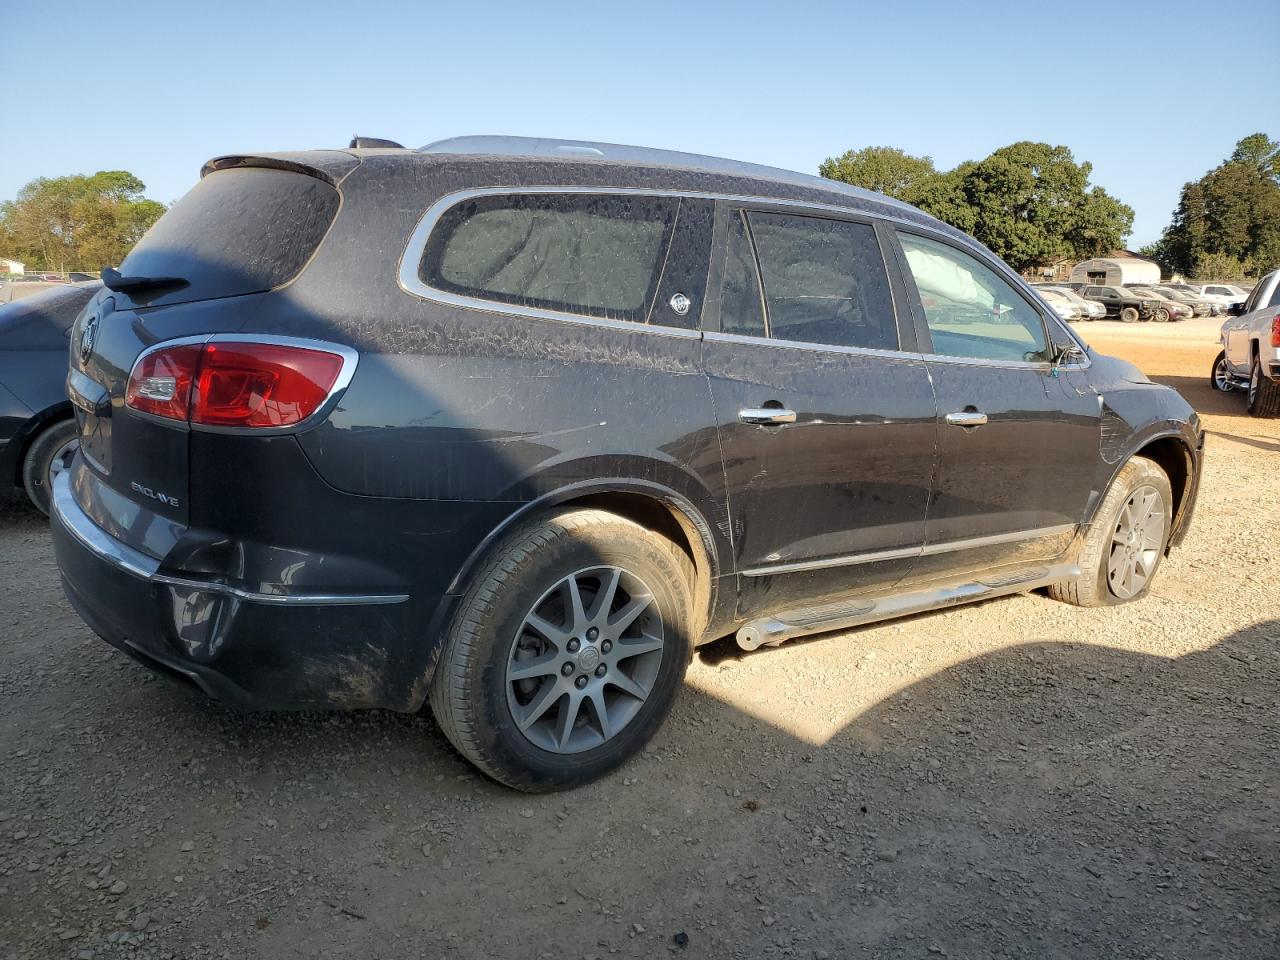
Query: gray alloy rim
(585, 660)
(1221, 379)
(59, 462)
(1136, 543)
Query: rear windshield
(238, 231)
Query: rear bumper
(259, 651)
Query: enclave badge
(87, 337)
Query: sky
(1153, 96)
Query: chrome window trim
(125, 558)
(717, 337)
(928, 550)
(410, 259)
(350, 360)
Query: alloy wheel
(584, 660)
(60, 458)
(1255, 378)
(1136, 542)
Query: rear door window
(970, 310)
(597, 255)
(1275, 294)
(824, 281)
(237, 231)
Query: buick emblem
(87, 337)
(680, 304)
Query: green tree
(81, 222)
(1260, 151)
(1029, 202)
(1228, 221)
(886, 170)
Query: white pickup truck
(1250, 357)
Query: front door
(827, 426)
(1018, 437)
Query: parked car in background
(1063, 307)
(1250, 357)
(1122, 303)
(1089, 309)
(510, 426)
(1167, 309)
(1224, 293)
(37, 429)
(76, 276)
(1216, 309)
(1199, 307)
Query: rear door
(826, 416)
(238, 233)
(1017, 440)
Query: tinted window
(824, 281)
(741, 310)
(594, 254)
(972, 312)
(237, 231)
(1275, 295)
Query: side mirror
(1236, 309)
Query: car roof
(571, 150)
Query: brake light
(1275, 330)
(234, 384)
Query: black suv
(511, 426)
(1124, 304)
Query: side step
(781, 627)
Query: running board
(771, 631)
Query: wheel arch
(36, 425)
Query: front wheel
(566, 651)
(1129, 314)
(1220, 376)
(1122, 550)
(1161, 315)
(1264, 393)
(46, 458)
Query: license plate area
(95, 440)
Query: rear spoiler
(331, 166)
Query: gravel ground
(1018, 778)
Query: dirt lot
(1015, 779)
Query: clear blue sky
(1153, 94)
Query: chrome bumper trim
(123, 557)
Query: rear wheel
(1264, 393)
(1129, 314)
(566, 652)
(46, 458)
(1122, 550)
(1220, 377)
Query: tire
(1161, 315)
(1104, 542)
(1220, 375)
(1129, 315)
(44, 460)
(1264, 393)
(526, 580)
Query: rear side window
(238, 231)
(1275, 295)
(598, 255)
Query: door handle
(966, 418)
(766, 415)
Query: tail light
(1275, 330)
(234, 383)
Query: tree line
(1031, 203)
(81, 222)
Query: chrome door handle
(966, 418)
(766, 415)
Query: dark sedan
(37, 429)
